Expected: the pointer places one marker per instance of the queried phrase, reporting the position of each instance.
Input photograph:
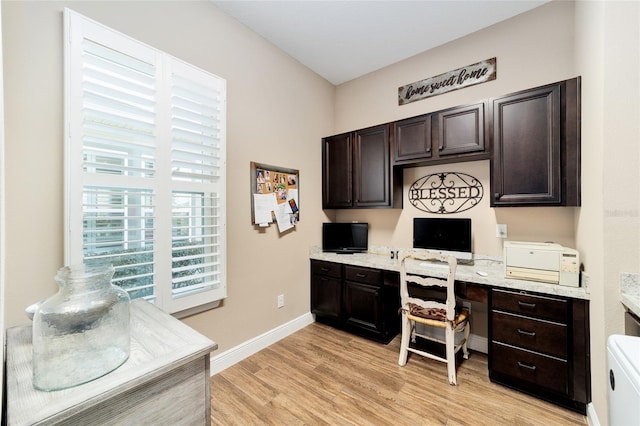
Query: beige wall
(608, 224)
(277, 112)
(590, 231)
(532, 49)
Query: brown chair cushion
(435, 316)
(430, 313)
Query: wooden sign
(470, 75)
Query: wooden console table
(164, 381)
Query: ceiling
(343, 40)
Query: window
(145, 167)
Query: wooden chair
(431, 313)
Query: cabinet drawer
(540, 370)
(363, 275)
(543, 307)
(326, 268)
(529, 333)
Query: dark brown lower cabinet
(540, 346)
(363, 301)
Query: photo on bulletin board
(275, 196)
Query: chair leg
(465, 351)
(404, 342)
(451, 355)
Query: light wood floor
(320, 375)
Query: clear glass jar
(82, 332)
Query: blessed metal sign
(444, 193)
(480, 72)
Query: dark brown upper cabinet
(536, 147)
(452, 135)
(357, 170)
(337, 175)
(461, 130)
(412, 138)
(532, 138)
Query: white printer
(545, 262)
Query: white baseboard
(478, 343)
(592, 416)
(234, 355)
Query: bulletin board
(275, 196)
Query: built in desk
(379, 258)
(164, 381)
(538, 339)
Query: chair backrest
(413, 258)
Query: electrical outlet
(586, 282)
(280, 300)
(501, 230)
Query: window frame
(162, 184)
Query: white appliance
(623, 362)
(545, 262)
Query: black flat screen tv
(345, 238)
(445, 235)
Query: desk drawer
(363, 275)
(540, 336)
(543, 307)
(540, 370)
(329, 269)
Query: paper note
(282, 217)
(264, 204)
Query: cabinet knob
(496, 196)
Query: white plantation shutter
(197, 135)
(197, 142)
(145, 167)
(118, 228)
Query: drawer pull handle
(526, 305)
(324, 279)
(361, 275)
(527, 333)
(324, 269)
(527, 366)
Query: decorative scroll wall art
(470, 75)
(445, 193)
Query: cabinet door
(372, 168)
(527, 148)
(412, 138)
(461, 130)
(337, 187)
(363, 306)
(326, 296)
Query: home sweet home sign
(470, 75)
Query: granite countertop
(379, 258)
(630, 292)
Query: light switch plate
(501, 230)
